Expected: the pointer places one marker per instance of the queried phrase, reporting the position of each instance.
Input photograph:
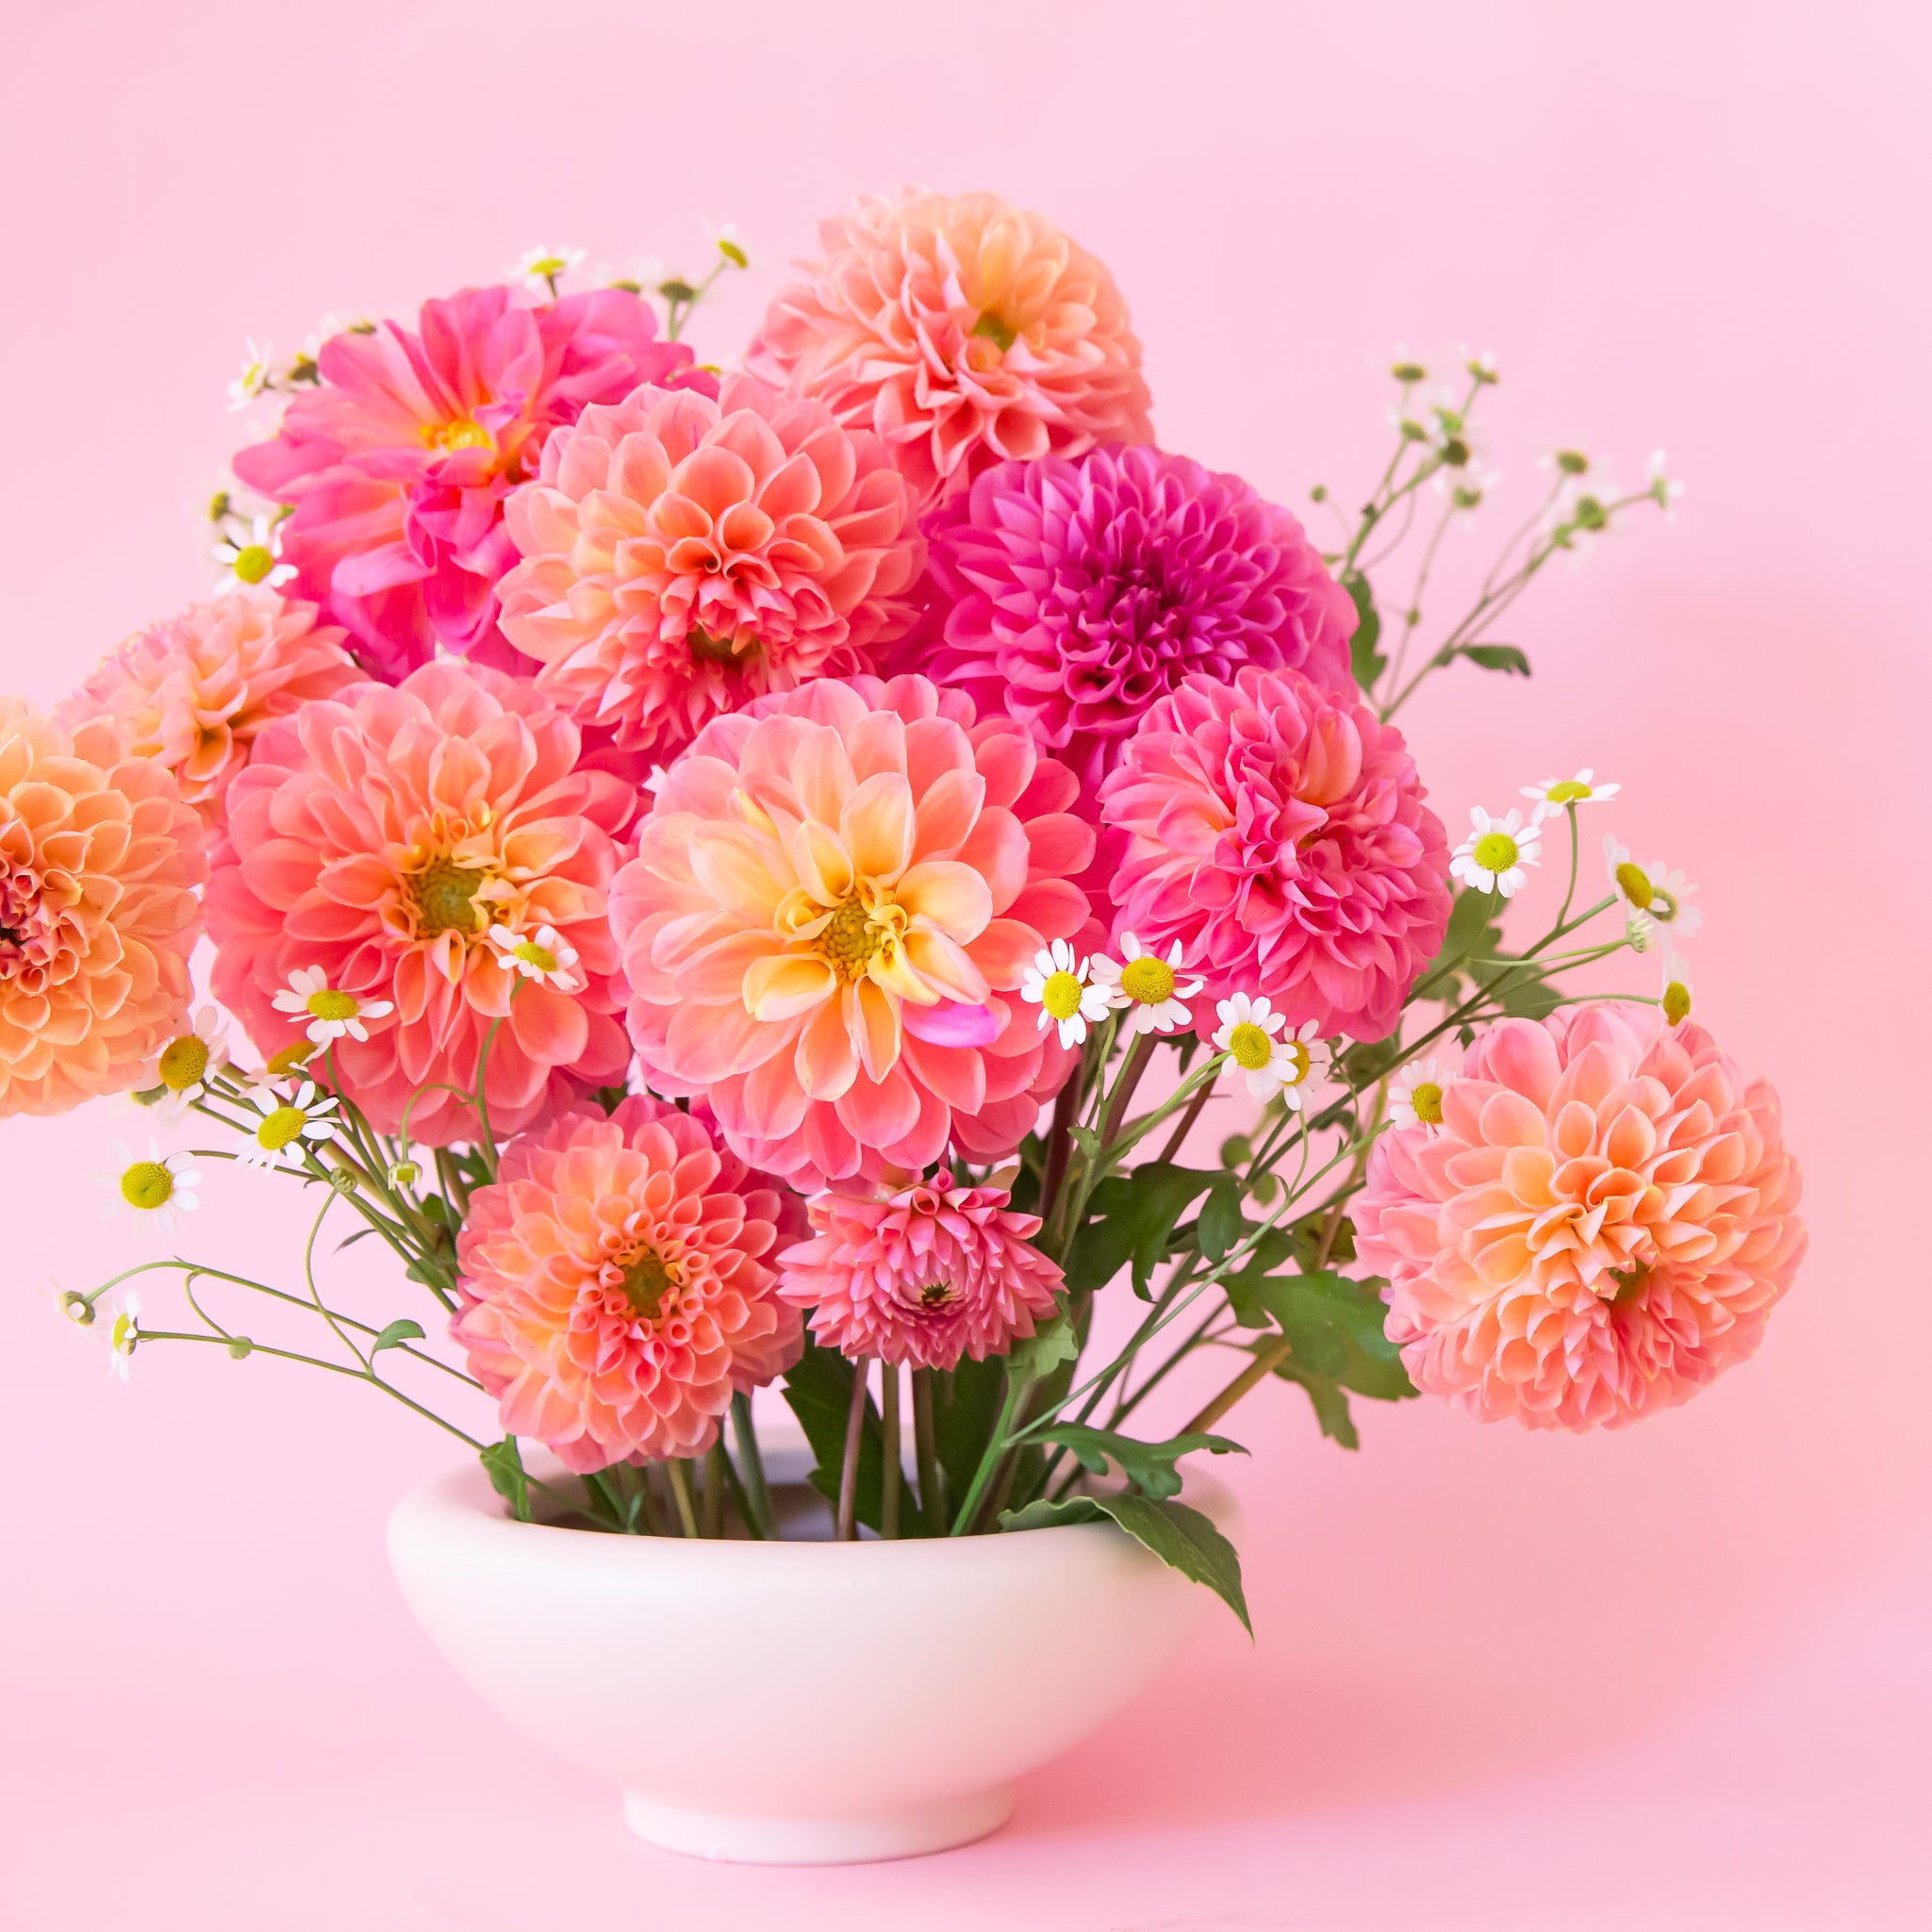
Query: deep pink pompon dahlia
(399, 461)
(933, 1273)
(682, 557)
(1072, 593)
(828, 919)
(963, 330)
(615, 1292)
(1278, 832)
(1598, 1228)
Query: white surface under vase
(795, 1702)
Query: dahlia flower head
(827, 918)
(615, 1295)
(195, 692)
(1598, 1229)
(1278, 831)
(926, 1276)
(1073, 592)
(99, 862)
(683, 555)
(963, 330)
(378, 836)
(400, 460)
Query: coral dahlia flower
(682, 557)
(1072, 593)
(1597, 1227)
(614, 1297)
(962, 330)
(195, 691)
(375, 838)
(828, 919)
(399, 461)
(1278, 832)
(933, 1273)
(99, 860)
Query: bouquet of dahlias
(751, 879)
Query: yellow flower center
(850, 939)
(183, 1062)
(1676, 1003)
(328, 1004)
(147, 1185)
(280, 1128)
(1251, 1046)
(1426, 1096)
(465, 433)
(997, 330)
(443, 892)
(1148, 980)
(648, 1279)
(1298, 1055)
(253, 562)
(122, 1336)
(1495, 852)
(1061, 995)
(1567, 792)
(1635, 886)
(535, 955)
(297, 1052)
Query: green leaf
(1131, 1217)
(1048, 1345)
(504, 1464)
(1149, 1466)
(396, 1334)
(350, 1240)
(819, 1390)
(1334, 1325)
(1330, 1402)
(1364, 659)
(1220, 1224)
(965, 1407)
(1042, 1514)
(1504, 658)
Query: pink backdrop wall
(1672, 1677)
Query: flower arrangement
(748, 879)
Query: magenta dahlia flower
(1278, 832)
(399, 462)
(963, 330)
(827, 918)
(933, 1273)
(378, 837)
(1597, 1227)
(615, 1295)
(1074, 593)
(682, 557)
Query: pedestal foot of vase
(934, 1826)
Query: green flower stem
(485, 1145)
(997, 1445)
(679, 1476)
(846, 1527)
(926, 1450)
(741, 1497)
(710, 1517)
(1184, 1126)
(758, 1507)
(315, 1294)
(889, 1437)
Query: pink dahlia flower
(932, 1274)
(827, 921)
(195, 692)
(1278, 831)
(964, 331)
(682, 557)
(614, 1297)
(99, 860)
(399, 461)
(1598, 1227)
(379, 835)
(1072, 593)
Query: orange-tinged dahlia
(99, 862)
(615, 1291)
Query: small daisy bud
(1572, 462)
(342, 1179)
(1409, 372)
(404, 1174)
(78, 1308)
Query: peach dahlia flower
(614, 1297)
(195, 691)
(1597, 1227)
(682, 557)
(379, 835)
(99, 860)
(827, 918)
(962, 330)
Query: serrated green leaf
(396, 1334)
(1329, 1403)
(1149, 1466)
(1042, 1514)
(1364, 659)
(1043, 1350)
(502, 1463)
(1505, 657)
(1131, 1219)
(965, 1407)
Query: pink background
(1675, 1677)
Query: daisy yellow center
(1298, 1058)
(1567, 793)
(297, 1052)
(329, 1004)
(443, 892)
(1060, 996)
(183, 1062)
(1676, 1003)
(1427, 1098)
(1635, 886)
(1495, 852)
(253, 562)
(997, 330)
(280, 1128)
(123, 1337)
(535, 955)
(465, 433)
(648, 1279)
(849, 939)
(147, 1185)
(549, 265)
(1148, 981)
(1251, 1046)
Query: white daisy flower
(152, 1189)
(1466, 489)
(257, 561)
(75, 1308)
(286, 1131)
(1246, 1035)
(1492, 857)
(538, 269)
(283, 1066)
(124, 1334)
(1553, 794)
(726, 240)
(258, 370)
(1145, 987)
(1677, 988)
(332, 1013)
(1655, 890)
(544, 956)
(1666, 489)
(185, 1066)
(1415, 1099)
(1056, 982)
(640, 275)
